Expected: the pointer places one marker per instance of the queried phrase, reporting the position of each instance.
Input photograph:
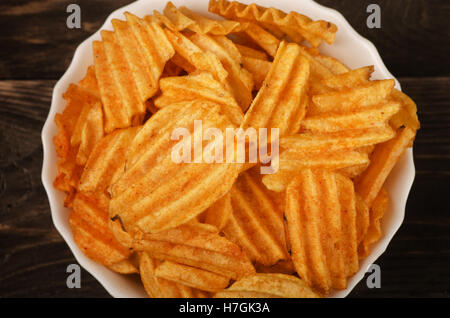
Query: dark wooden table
(37, 47)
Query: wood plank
(33, 257)
(36, 44)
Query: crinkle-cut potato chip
(281, 267)
(258, 68)
(321, 222)
(247, 51)
(191, 276)
(313, 31)
(183, 18)
(362, 218)
(280, 102)
(77, 132)
(368, 117)
(268, 286)
(239, 80)
(350, 78)
(264, 39)
(162, 288)
(125, 267)
(407, 116)
(351, 99)
(195, 56)
(377, 211)
(89, 224)
(136, 50)
(198, 246)
(383, 160)
(181, 62)
(156, 193)
(256, 221)
(107, 161)
(198, 86)
(218, 214)
(278, 181)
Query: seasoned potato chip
(162, 288)
(158, 193)
(384, 158)
(219, 213)
(377, 211)
(197, 246)
(89, 224)
(321, 221)
(258, 68)
(313, 31)
(191, 276)
(268, 286)
(279, 102)
(183, 18)
(247, 51)
(197, 87)
(256, 221)
(407, 116)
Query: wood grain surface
(37, 47)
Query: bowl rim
(98, 270)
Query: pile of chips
(224, 229)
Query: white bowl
(349, 47)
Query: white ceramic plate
(352, 49)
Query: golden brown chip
(258, 68)
(321, 222)
(280, 102)
(383, 160)
(191, 276)
(165, 186)
(183, 18)
(89, 224)
(199, 246)
(313, 31)
(407, 116)
(379, 207)
(247, 51)
(219, 213)
(162, 288)
(268, 286)
(256, 221)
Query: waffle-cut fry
(321, 222)
(280, 102)
(294, 161)
(203, 61)
(377, 211)
(351, 99)
(183, 18)
(219, 213)
(258, 68)
(313, 31)
(268, 286)
(239, 80)
(162, 288)
(354, 138)
(197, 246)
(256, 222)
(369, 117)
(407, 116)
(191, 276)
(89, 224)
(197, 87)
(247, 51)
(383, 160)
(156, 192)
(146, 49)
(107, 161)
